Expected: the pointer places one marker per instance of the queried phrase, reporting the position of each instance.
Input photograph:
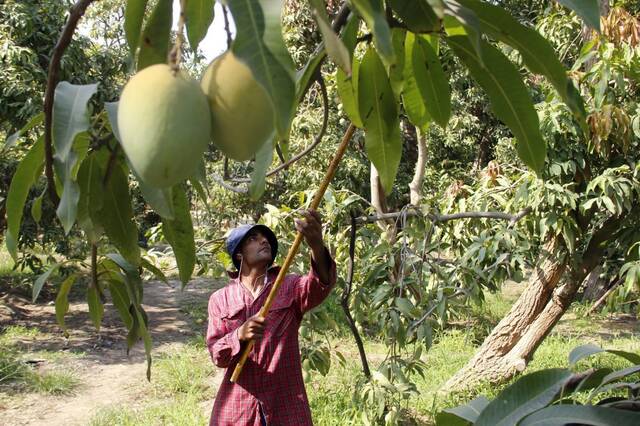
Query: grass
(183, 371)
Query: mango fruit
(164, 125)
(242, 116)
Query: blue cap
(237, 235)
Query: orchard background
(484, 218)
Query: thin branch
(76, 12)
(110, 165)
(604, 297)
(447, 217)
(175, 55)
(225, 13)
(344, 301)
(238, 189)
(316, 140)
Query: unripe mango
(164, 124)
(242, 117)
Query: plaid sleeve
(310, 291)
(223, 344)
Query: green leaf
(589, 349)
(33, 122)
(133, 17)
(116, 216)
(334, 46)
(67, 173)
(62, 301)
(306, 74)
(560, 415)
(179, 233)
(154, 45)
(379, 112)
(153, 269)
(509, 97)
(537, 53)
(199, 15)
(42, 278)
(263, 160)
(91, 195)
(462, 21)
(405, 306)
(348, 91)
(372, 12)
(120, 299)
(268, 64)
(70, 115)
(431, 81)
(417, 15)
(471, 410)
(96, 309)
(36, 206)
(396, 71)
(589, 10)
(414, 103)
(528, 394)
(25, 176)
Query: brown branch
(225, 13)
(447, 217)
(76, 12)
(344, 301)
(316, 140)
(110, 165)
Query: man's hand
(252, 329)
(311, 228)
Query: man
(270, 390)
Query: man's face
(255, 249)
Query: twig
(604, 297)
(447, 217)
(175, 55)
(238, 189)
(433, 308)
(316, 140)
(344, 301)
(225, 13)
(110, 165)
(76, 12)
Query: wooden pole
(331, 171)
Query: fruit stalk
(175, 55)
(331, 171)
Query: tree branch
(76, 12)
(447, 217)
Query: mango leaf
(133, 17)
(537, 53)
(396, 71)
(36, 206)
(431, 81)
(25, 176)
(70, 115)
(33, 122)
(333, 44)
(42, 278)
(306, 74)
(417, 15)
(509, 97)
(379, 112)
(414, 103)
(348, 91)
(560, 415)
(96, 309)
(589, 349)
(67, 172)
(250, 45)
(528, 394)
(199, 16)
(116, 216)
(263, 160)
(372, 12)
(405, 306)
(462, 21)
(470, 411)
(146, 264)
(589, 10)
(179, 233)
(91, 195)
(62, 301)
(154, 45)
(120, 299)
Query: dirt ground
(111, 376)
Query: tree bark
(415, 187)
(511, 344)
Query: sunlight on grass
(183, 371)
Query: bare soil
(109, 376)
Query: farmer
(270, 390)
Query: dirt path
(110, 377)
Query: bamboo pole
(331, 171)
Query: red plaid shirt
(271, 380)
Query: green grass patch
(54, 382)
(183, 371)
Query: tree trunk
(511, 344)
(415, 187)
